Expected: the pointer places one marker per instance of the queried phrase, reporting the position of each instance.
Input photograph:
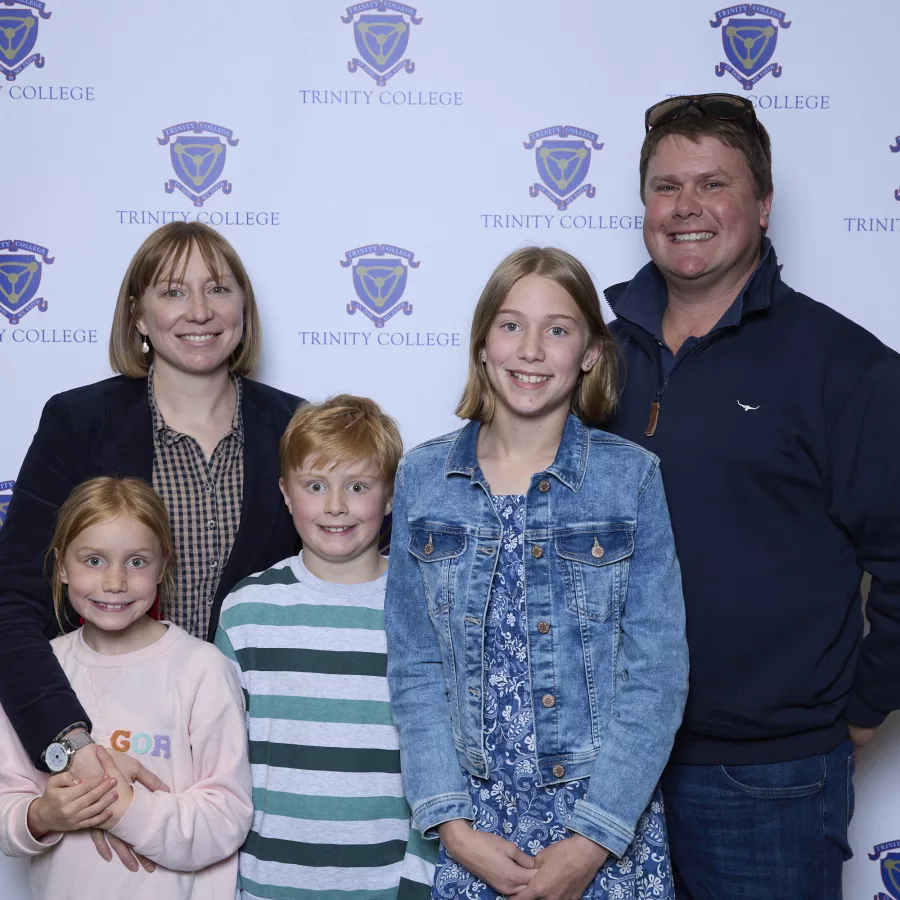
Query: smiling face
(703, 223)
(536, 348)
(195, 322)
(112, 570)
(338, 512)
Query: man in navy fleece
(776, 422)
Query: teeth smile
(196, 338)
(529, 379)
(336, 529)
(111, 606)
(693, 236)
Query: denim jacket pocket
(594, 562)
(437, 548)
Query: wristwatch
(58, 755)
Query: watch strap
(77, 741)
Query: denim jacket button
(543, 627)
(548, 700)
(536, 551)
(559, 770)
(544, 486)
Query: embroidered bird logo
(745, 407)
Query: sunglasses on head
(717, 106)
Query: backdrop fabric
(373, 163)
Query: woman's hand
(497, 862)
(69, 804)
(565, 869)
(125, 791)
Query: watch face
(56, 757)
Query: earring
(484, 356)
(145, 345)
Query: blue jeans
(760, 832)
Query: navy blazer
(106, 429)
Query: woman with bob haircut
(182, 415)
(537, 659)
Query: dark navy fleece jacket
(780, 446)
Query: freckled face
(703, 223)
(112, 570)
(194, 324)
(337, 511)
(537, 347)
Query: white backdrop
(290, 145)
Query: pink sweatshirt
(178, 708)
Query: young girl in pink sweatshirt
(150, 690)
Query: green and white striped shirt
(330, 821)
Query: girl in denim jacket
(536, 651)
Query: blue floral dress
(509, 802)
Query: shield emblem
(563, 165)
(198, 160)
(379, 283)
(18, 32)
(4, 506)
(20, 277)
(381, 40)
(749, 43)
(890, 874)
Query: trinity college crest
(20, 278)
(749, 43)
(890, 869)
(379, 278)
(5, 496)
(382, 36)
(18, 33)
(198, 158)
(563, 157)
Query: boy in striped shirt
(307, 639)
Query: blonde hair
(343, 429)
(596, 393)
(164, 257)
(99, 500)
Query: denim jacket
(607, 652)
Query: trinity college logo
(18, 33)
(198, 159)
(379, 278)
(749, 43)
(20, 278)
(890, 869)
(5, 496)
(895, 148)
(562, 164)
(381, 38)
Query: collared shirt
(203, 497)
(646, 308)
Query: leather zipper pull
(654, 418)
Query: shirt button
(548, 700)
(544, 627)
(211, 524)
(559, 770)
(544, 486)
(213, 564)
(536, 551)
(209, 489)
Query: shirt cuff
(136, 824)
(600, 827)
(859, 713)
(28, 844)
(436, 810)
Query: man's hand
(125, 791)
(69, 804)
(497, 862)
(861, 736)
(565, 869)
